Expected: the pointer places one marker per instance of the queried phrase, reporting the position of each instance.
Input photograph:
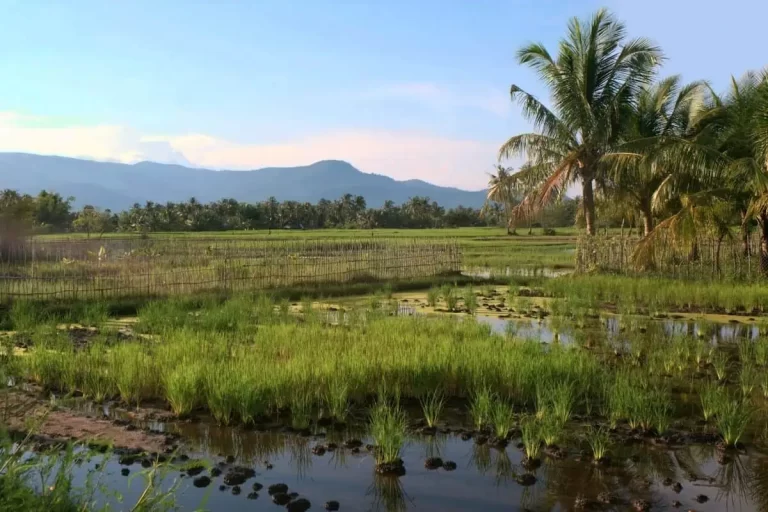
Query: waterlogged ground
(486, 478)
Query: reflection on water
(614, 327)
(488, 273)
(486, 477)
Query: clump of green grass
(337, 399)
(551, 430)
(502, 418)
(470, 300)
(26, 315)
(450, 298)
(748, 379)
(480, 408)
(599, 441)
(761, 351)
(732, 420)
(719, 362)
(713, 398)
(182, 388)
(531, 437)
(301, 409)
(388, 429)
(555, 399)
(134, 372)
(433, 295)
(432, 407)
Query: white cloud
(401, 155)
(492, 100)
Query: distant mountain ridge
(118, 186)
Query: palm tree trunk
(645, 213)
(588, 198)
(762, 221)
(744, 229)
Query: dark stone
(677, 487)
(428, 431)
(526, 479)
(230, 459)
(128, 460)
(605, 498)
(222, 487)
(236, 490)
(281, 498)
(257, 487)
(433, 463)
(449, 465)
(530, 464)
(252, 496)
(201, 481)
(125, 471)
(318, 450)
(332, 505)
(195, 470)
(641, 505)
(293, 495)
(299, 505)
(702, 498)
(353, 443)
(238, 475)
(215, 472)
(277, 489)
(331, 446)
(391, 468)
(325, 422)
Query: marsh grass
(388, 426)
(450, 297)
(182, 388)
(551, 430)
(531, 437)
(480, 407)
(713, 399)
(337, 399)
(432, 407)
(748, 378)
(720, 363)
(433, 295)
(732, 420)
(502, 417)
(599, 441)
(470, 300)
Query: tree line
(49, 212)
(683, 160)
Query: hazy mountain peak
(117, 186)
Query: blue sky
(411, 89)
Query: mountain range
(118, 186)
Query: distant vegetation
(51, 213)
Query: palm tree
(593, 83)
(662, 113)
(501, 191)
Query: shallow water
(485, 478)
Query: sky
(405, 88)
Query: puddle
(485, 477)
(489, 272)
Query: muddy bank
(26, 412)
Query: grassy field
(481, 247)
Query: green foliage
(388, 425)
(732, 420)
(599, 441)
(502, 418)
(531, 437)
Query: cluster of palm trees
(687, 161)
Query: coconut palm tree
(593, 83)
(663, 113)
(501, 191)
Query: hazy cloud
(401, 155)
(492, 100)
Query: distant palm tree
(593, 83)
(501, 191)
